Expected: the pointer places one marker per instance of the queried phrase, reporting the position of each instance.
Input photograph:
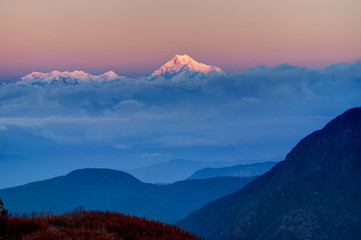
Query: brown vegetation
(92, 225)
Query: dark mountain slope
(181, 198)
(241, 170)
(104, 189)
(314, 194)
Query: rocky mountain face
(314, 194)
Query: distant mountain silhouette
(314, 194)
(105, 189)
(242, 170)
(172, 170)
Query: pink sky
(133, 37)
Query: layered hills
(175, 170)
(241, 170)
(105, 189)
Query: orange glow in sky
(133, 37)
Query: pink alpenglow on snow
(184, 63)
(76, 75)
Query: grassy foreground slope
(88, 225)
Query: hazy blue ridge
(105, 189)
(241, 170)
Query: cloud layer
(260, 113)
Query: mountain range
(315, 193)
(172, 170)
(181, 68)
(105, 189)
(71, 78)
(241, 170)
(180, 169)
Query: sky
(135, 37)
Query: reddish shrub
(93, 225)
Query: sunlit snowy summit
(68, 78)
(184, 64)
(181, 71)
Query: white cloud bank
(260, 113)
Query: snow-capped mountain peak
(110, 75)
(33, 75)
(184, 63)
(68, 78)
(185, 59)
(181, 71)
